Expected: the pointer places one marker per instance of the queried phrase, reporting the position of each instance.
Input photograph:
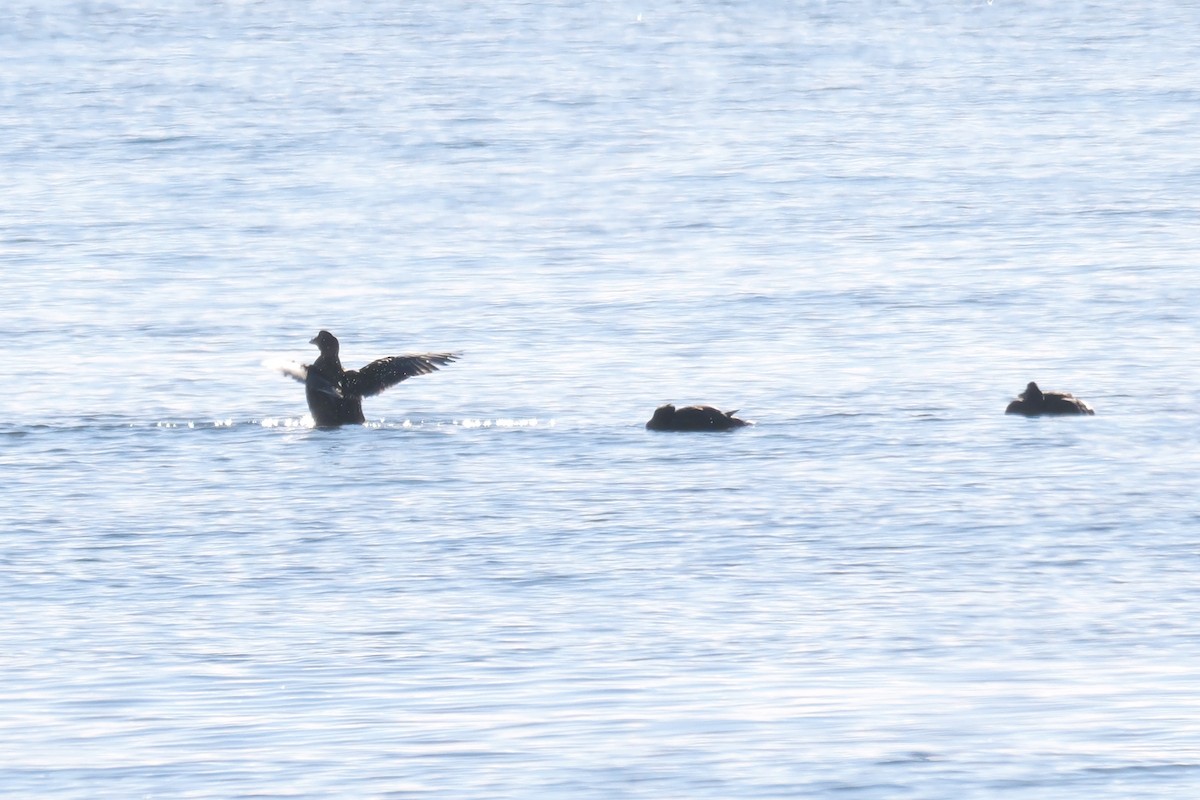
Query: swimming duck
(335, 394)
(693, 418)
(1033, 402)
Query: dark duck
(1033, 402)
(335, 395)
(693, 418)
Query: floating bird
(335, 394)
(693, 418)
(1033, 402)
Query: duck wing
(290, 368)
(379, 375)
(1066, 403)
(311, 378)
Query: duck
(693, 418)
(1033, 402)
(335, 394)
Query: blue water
(867, 225)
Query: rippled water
(866, 225)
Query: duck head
(1032, 393)
(326, 342)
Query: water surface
(866, 225)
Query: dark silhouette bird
(335, 394)
(1033, 402)
(693, 418)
